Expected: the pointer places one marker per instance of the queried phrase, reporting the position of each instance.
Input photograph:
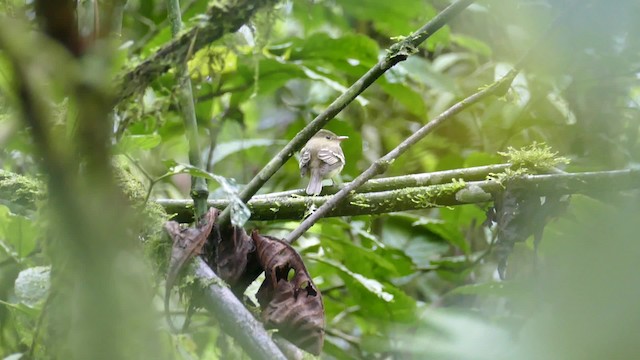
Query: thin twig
(214, 130)
(199, 189)
(381, 165)
(400, 51)
(499, 88)
(218, 21)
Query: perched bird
(322, 158)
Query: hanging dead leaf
(234, 258)
(520, 213)
(187, 243)
(289, 300)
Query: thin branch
(396, 53)
(118, 13)
(405, 181)
(381, 165)
(234, 317)
(215, 127)
(499, 87)
(220, 19)
(269, 208)
(199, 189)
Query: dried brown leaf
(290, 302)
(235, 258)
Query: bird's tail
(315, 183)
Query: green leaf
(353, 48)
(17, 232)
(399, 17)
(473, 44)
(371, 285)
(420, 244)
(130, 143)
(422, 72)
(406, 96)
(447, 231)
(231, 147)
(331, 83)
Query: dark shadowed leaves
(518, 215)
(234, 258)
(290, 301)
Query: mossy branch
(199, 189)
(222, 17)
(397, 53)
(380, 166)
(293, 207)
(497, 88)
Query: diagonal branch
(499, 87)
(397, 53)
(381, 165)
(234, 317)
(220, 19)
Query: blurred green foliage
(419, 284)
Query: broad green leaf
(456, 334)
(381, 263)
(240, 213)
(130, 143)
(422, 72)
(447, 231)
(473, 44)
(270, 73)
(420, 244)
(225, 149)
(391, 18)
(333, 84)
(17, 232)
(352, 48)
(371, 285)
(28, 311)
(406, 96)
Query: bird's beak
(341, 138)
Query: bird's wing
(330, 157)
(305, 158)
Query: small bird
(322, 158)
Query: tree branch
(269, 208)
(404, 181)
(234, 317)
(396, 53)
(381, 165)
(499, 87)
(87, 214)
(199, 189)
(220, 19)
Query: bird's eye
(328, 137)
